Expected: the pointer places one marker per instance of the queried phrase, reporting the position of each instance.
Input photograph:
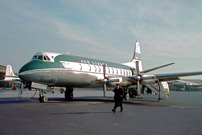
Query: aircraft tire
(127, 97)
(44, 99)
(40, 99)
(69, 95)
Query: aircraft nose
(23, 76)
(26, 67)
(23, 73)
(22, 69)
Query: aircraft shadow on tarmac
(79, 113)
(52, 100)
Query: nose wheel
(42, 98)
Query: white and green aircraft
(63, 70)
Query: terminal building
(2, 74)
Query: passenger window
(108, 70)
(112, 71)
(116, 71)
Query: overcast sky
(168, 31)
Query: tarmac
(90, 113)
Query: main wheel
(127, 96)
(69, 95)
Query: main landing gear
(126, 95)
(69, 94)
(42, 98)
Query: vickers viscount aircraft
(63, 70)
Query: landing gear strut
(42, 98)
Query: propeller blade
(137, 67)
(104, 70)
(138, 88)
(138, 77)
(104, 89)
(104, 84)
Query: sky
(168, 31)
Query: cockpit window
(46, 58)
(43, 57)
(34, 57)
(40, 57)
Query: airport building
(2, 72)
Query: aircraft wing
(11, 78)
(195, 86)
(175, 76)
(152, 69)
(16, 81)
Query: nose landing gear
(42, 98)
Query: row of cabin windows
(109, 70)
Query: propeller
(104, 80)
(138, 77)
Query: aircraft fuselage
(70, 71)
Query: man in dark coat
(118, 97)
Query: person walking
(118, 97)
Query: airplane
(64, 70)
(183, 85)
(10, 76)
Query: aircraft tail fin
(137, 53)
(9, 73)
(136, 57)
